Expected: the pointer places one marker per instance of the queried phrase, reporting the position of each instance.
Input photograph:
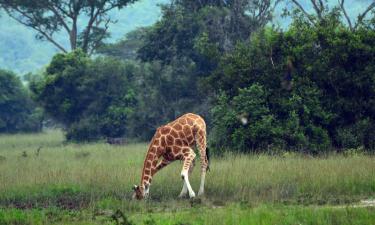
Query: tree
(330, 99)
(126, 48)
(18, 113)
(321, 9)
(91, 98)
(49, 17)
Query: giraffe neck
(148, 165)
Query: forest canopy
(307, 88)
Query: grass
(231, 214)
(75, 181)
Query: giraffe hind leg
(204, 161)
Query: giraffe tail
(208, 158)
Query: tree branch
(317, 9)
(48, 37)
(303, 11)
(60, 17)
(93, 16)
(96, 43)
(341, 2)
(363, 15)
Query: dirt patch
(361, 204)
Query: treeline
(309, 88)
(18, 112)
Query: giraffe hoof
(201, 193)
(192, 195)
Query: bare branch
(304, 11)
(47, 36)
(363, 15)
(93, 16)
(341, 2)
(65, 11)
(60, 17)
(318, 10)
(97, 42)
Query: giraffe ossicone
(175, 141)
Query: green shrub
(92, 98)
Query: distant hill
(22, 53)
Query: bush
(92, 98)
(305, 89)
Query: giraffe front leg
(189, 156)
(184, 190)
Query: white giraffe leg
(184, 190)
(185, 176)
(185, 171)
(201, 188)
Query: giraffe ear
(135, 187)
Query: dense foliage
(309, 88)
(17, 111)
(92, 98)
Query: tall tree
(49, 17)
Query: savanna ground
(45, 181)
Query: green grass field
(86, 184)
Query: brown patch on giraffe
(165, 130)
(177, 126)
(154, 163)
(185, 150)
(178, 142)
(174, 133)
(170, 140)
(152, 149)
(147, 171)
(190, 121)
(160, 150)
(176, 150)
(181, 134)
(185, 142)
(156, 142)
(148, 164)
(163, 143)
(187, 130)
(182, 121)
(150, 157)
(190, 139)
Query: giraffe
(175, 141)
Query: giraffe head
(140, 192)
